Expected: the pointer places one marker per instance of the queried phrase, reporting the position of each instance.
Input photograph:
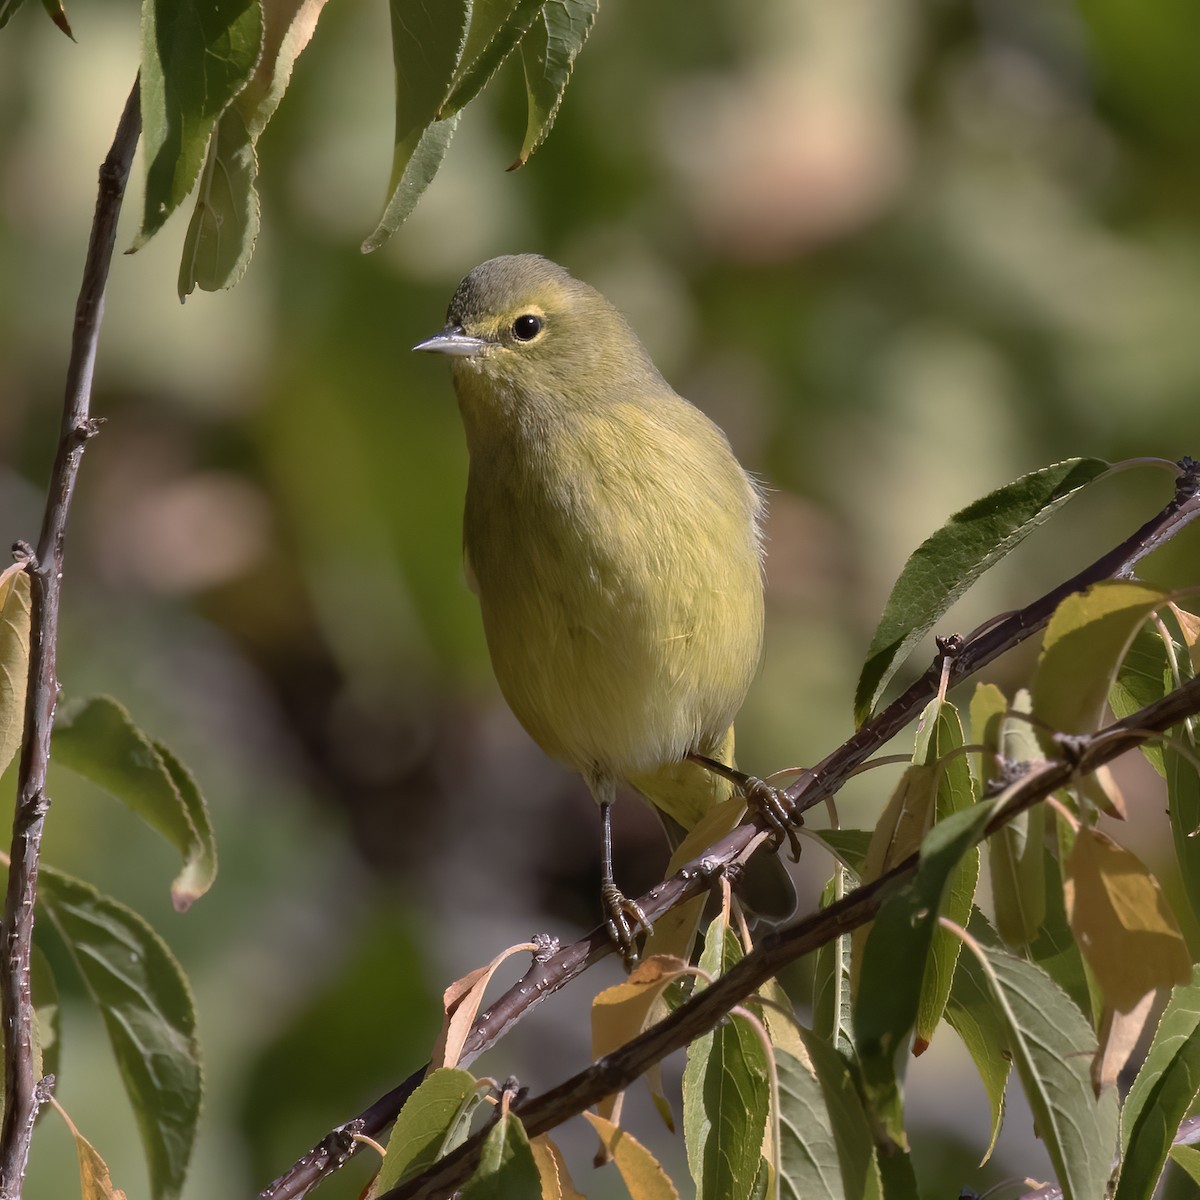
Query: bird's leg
(624, 917)
(768, 801)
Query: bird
(615, 546)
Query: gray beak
(454, 342)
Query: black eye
(526, 328)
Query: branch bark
(549, 974)
(23, 1094)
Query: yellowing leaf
(640, 1170)
(1119, 1035)
(1121, 919)
(556, 1179)
(1082, 650)
(620, 1013)
(95, 1183)
(14, 659)
(461, 1001)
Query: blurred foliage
(902, 252)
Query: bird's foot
(772, 804)
(625, 920)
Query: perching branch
(23, 1094)
(549, 973)
(777, 948)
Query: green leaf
(1143, 677)
(1052, 1047)
(889, 986)
(548, 53)
(972, 1014)
(947, 563)
(725, 1091)
(224, 226)
(434, 1120)
(1015, 851)
(940, 735)
(848, 1120)
(1055, 949)
(427, 44)
(1188, 1159)
(1082, 648)
(1163, 1093)
(832, 1009)
(196, 57)
(7, 9)
(14, 659)
(47, 1015)
(851, 844)
(148, 1011)
(1183, 807)
(97, 739)
(495, 29)
(506, 1165)
(808, 1157)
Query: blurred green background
(902, 252)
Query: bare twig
(45, 567)
(549, 974)
(776, 949)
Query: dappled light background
(901, 252)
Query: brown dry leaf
(460, 1003)
(1119, 1036)
(620, 1013)
(556, 1179)
(1122, 922)
(95, 1183)
(644, 1177)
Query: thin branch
(45, 566)
(551, 972)
(778, 948)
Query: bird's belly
(612, 665)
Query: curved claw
(625, 920)
(774, 808)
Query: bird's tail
(684, 793)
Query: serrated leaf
(495, 28)
(852, 1134)
(1016, 851)
(1052, 1047)
(1055, 949)
(506, 1165)
(1188, 1160)
(196, 57)
(945, 565)
(427, 45)
(552, 1168)
(831, 1016)
(640, 1170)
(972, 1014)
(224, 226)
(725, 1091)
(14, 658)
(1163, 1093)
(939, 743)
(808, 1158)
(47, 1015)
(1082, 648)
(434, 1120)
(889, 985)
(97, 739)
(1122, 921)
(548, 52)
(144, 998)
(1183, 808)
